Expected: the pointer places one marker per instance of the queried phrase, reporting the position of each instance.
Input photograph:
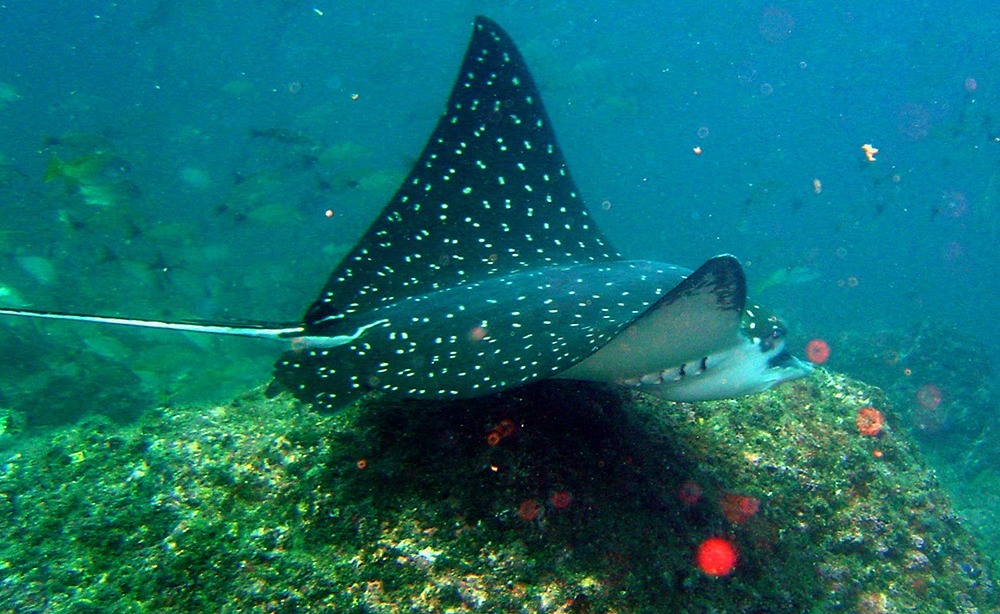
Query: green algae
(391, 507)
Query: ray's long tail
(258, 330)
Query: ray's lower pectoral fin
(328, 379)
(328, 371)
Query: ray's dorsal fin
(490, 194)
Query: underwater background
(213, 160)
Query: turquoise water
(783, 94)
(242, 148)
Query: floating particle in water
(929, 396)
(739, 508)
(689, 492)
(561, 499)
(818, 351)
(477, 333)
(776, 24)
(528, 510)
(746, 74)
(954, 204)
(953, 251)
(913, 121)
(702, 132)
(716, 557)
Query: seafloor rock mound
(555, 497)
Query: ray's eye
(777, 332)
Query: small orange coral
(689, 492)
(506, 427)
(561, 499)
(528, 510)
(739, 508)
(870, 421)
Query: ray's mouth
(668, 375)
(784, 360)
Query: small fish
(789, 276)
(92, 169)
(485, 272)
(8, 94)
(100, 178)
(10, 297)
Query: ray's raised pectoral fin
(699, 316)
(490, 194)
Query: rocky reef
(945, 389)
(558, 497)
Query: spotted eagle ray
(485, 272)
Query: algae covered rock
(557, 497)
